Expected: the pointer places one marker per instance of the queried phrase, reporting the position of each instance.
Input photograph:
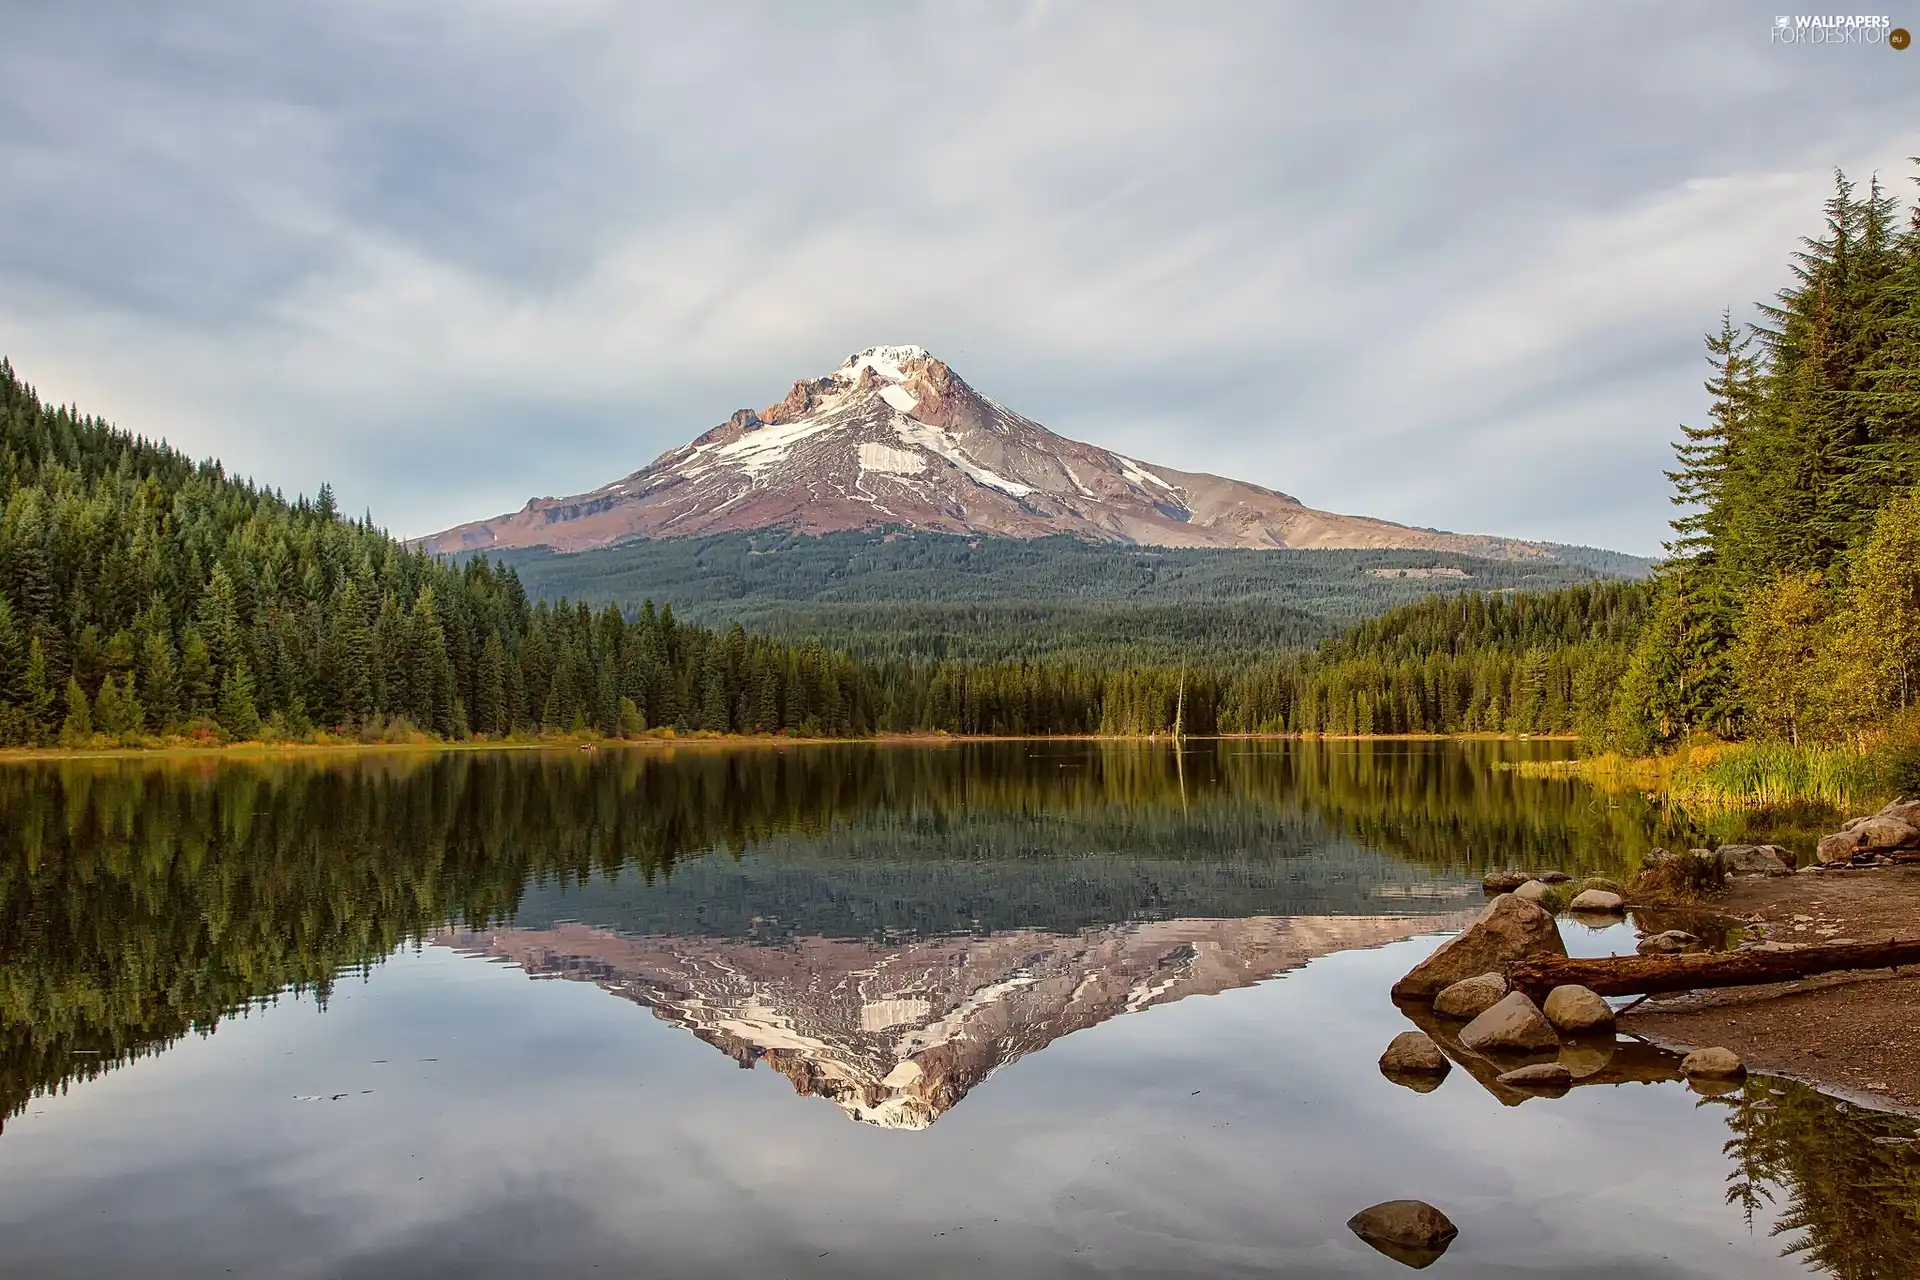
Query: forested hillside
(931, 596)
(143, 592)
(1790, 608)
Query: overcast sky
(1442, 264)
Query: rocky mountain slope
(894, 437)
(896, 1033)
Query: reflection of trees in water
(1847, 1205)
(141, 900)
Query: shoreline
(1849, 1034)
(697, 738)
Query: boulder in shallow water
(1541, 1077)
(1577, 1011)
(1514, 1025)
(1509, 929)
(1471, 997)
(1552, 877)
(1538, 892)
(1670, 943)
(1598, 902)
(1713, 1064)
(1411, 1232)
(1413, 1053)
(1504, 881)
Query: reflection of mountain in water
(897, 1033)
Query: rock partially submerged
(1510, 929)
(1541, 1077)
(1515, 1025)
(1578, 1011)
(1713, 1064)
(1504, 881)
(1413, 1053)
(1411, 1232)
(1598, 902)
(1471, 997)
(1670, 943)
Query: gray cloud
(1447, 266)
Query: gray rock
(1412, 1232)
(1577, 1011)
(1754, 859)
(1503, 881)
(1552, 877)
(1884, 831)
(1839, 846)
(1670, 943)
(1471, 997)
(1713, 1064)
(1538, 892)
(1413, 1053)
(1509, 929)
(1543, 1077)
(1907, 811)
(1598, 901)
(1514, 1025)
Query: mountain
(894, 438)
(897, 1032)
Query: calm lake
(994, 1009)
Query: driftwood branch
(1651, 975)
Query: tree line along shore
(147, 599)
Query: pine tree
(78, 726)
(490, 689)
(237, 716)
(198, 683)
(40, 703)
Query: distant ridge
(895, 438)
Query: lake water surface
(1008, 1009)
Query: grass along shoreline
(1710, 777)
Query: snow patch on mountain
(885, 458)
(946, 446)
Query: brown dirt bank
(1856, 1034)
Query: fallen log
(1651, 975)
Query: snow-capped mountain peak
(895, 437)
